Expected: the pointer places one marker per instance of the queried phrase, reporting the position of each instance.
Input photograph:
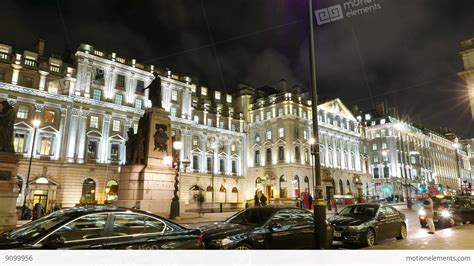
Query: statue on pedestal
(155, 91)
(7, 119)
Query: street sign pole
(319, 206)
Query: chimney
(40, 47)
(296, 90)
(355, 110)
(282, 85)
(380, 108)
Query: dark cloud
(405, 53)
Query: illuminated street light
(312, 141)
(177, 145)
(36, 123)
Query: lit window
(367, 117)
(114, 152)
(23, 111)
(195, 141)
(232, 148)
(384, 145)
(376, 159)
(221, 124)
(53, 86)
(217, 95)
(374, 146)
(305, 134)
(203, 91)
(118, 99)
(196, 118)
(305, 115)
(372, 123)
(135, 128)
(257, 118)
(45, 146)
(268, 115)
(94, 122)
(229, 98)
(138, 104)
(19, 142)
(382, 133)
(173, 111)
(209, 122)
(116, 126)
(281, 132)
(280, 111)
(295, 111)
(120, 82)
(48, 116)
(97, 95)
(92, 150)
(382, 121)
(269, 135)
(174, 95)
(257, 137)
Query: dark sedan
(269, 227)
(366, 224)
(101, 228)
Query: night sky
(405, 53)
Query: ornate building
(467, 53)
(86, 106)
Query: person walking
(257, 197)
(428, 204)
(200, 201)
(310, 201)
(263, 200)
(37, 211)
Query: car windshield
(38, 227)
(359, 210)
(256, 216)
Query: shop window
(88, 191)
(49, 116)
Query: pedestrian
(428, 204)
(257, 198)
(37, 211)
(200, 201)
(310, 201)
(263, 200)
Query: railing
(30, 62)
(53, 68)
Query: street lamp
(177, 145)
(214, 146)
(36, 123)
(319, 206)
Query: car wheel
(243, 246)
(403, 232)
(369, 238)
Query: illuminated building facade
(467, 53)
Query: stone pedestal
(150, 186)
(8, 191)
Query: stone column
(81, 142)
(72, 133)
(42, 81)
(104, 141)
(59, 142)
(16, 69)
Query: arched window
(88, 192)
(341, 187)
(257, 158)
(296, 186)
(283, 188)
(111, 191)
(349, 186)
(306, 184)
(268, 158)
(235, 195)
(297, 154)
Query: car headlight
(445, 214)
(356, 228)
(422, 212)
(222, 242)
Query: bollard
(220, 207)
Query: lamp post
(319, 206)
(213, 146)
(36, 124)
(177, 145)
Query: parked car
(366, 224)
(101, 227)
(267, 227)
(449, 210)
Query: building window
(374, 146)
(26, 81)
(19, 142)
(174, 95)
(269, 135)
(269, 115)
(257, 137)
(138, 104)
(385, 157)
(376, 172)
(209, 164)
(45, 146)
(386, 172)
(209, 122)
(269, 156)
(173, 111)
(305, 115)
(116, 125)
(221, 124)
(257, 118)
(222, 165)
(281, 132)
(229, 98)
(88, 196)
(114, 152)
(217, 94)
(135, 128)
(120, 84)
(281, 153)
(295, 111)
(280, 112)
(384, 145)
(140, 86)
(195, 141)
(413, 160)
(257, 158)
(203, 91)
(196, 118)
(97, 95)
(376, 159)
(48, 116)
(297, 154)
(195, 162)
(234, 167)
(305, 134)
(297, 132)
(94, 123)
(118, 99)
(53, 86)
(23, 111)
(92, 148)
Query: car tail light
(200, 237)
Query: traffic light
(440, 187)
(469, 186)
(387, 190)
(422, 188)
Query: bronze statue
(161, 138)
(130, 145)
(155, 91)
(7, 120)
